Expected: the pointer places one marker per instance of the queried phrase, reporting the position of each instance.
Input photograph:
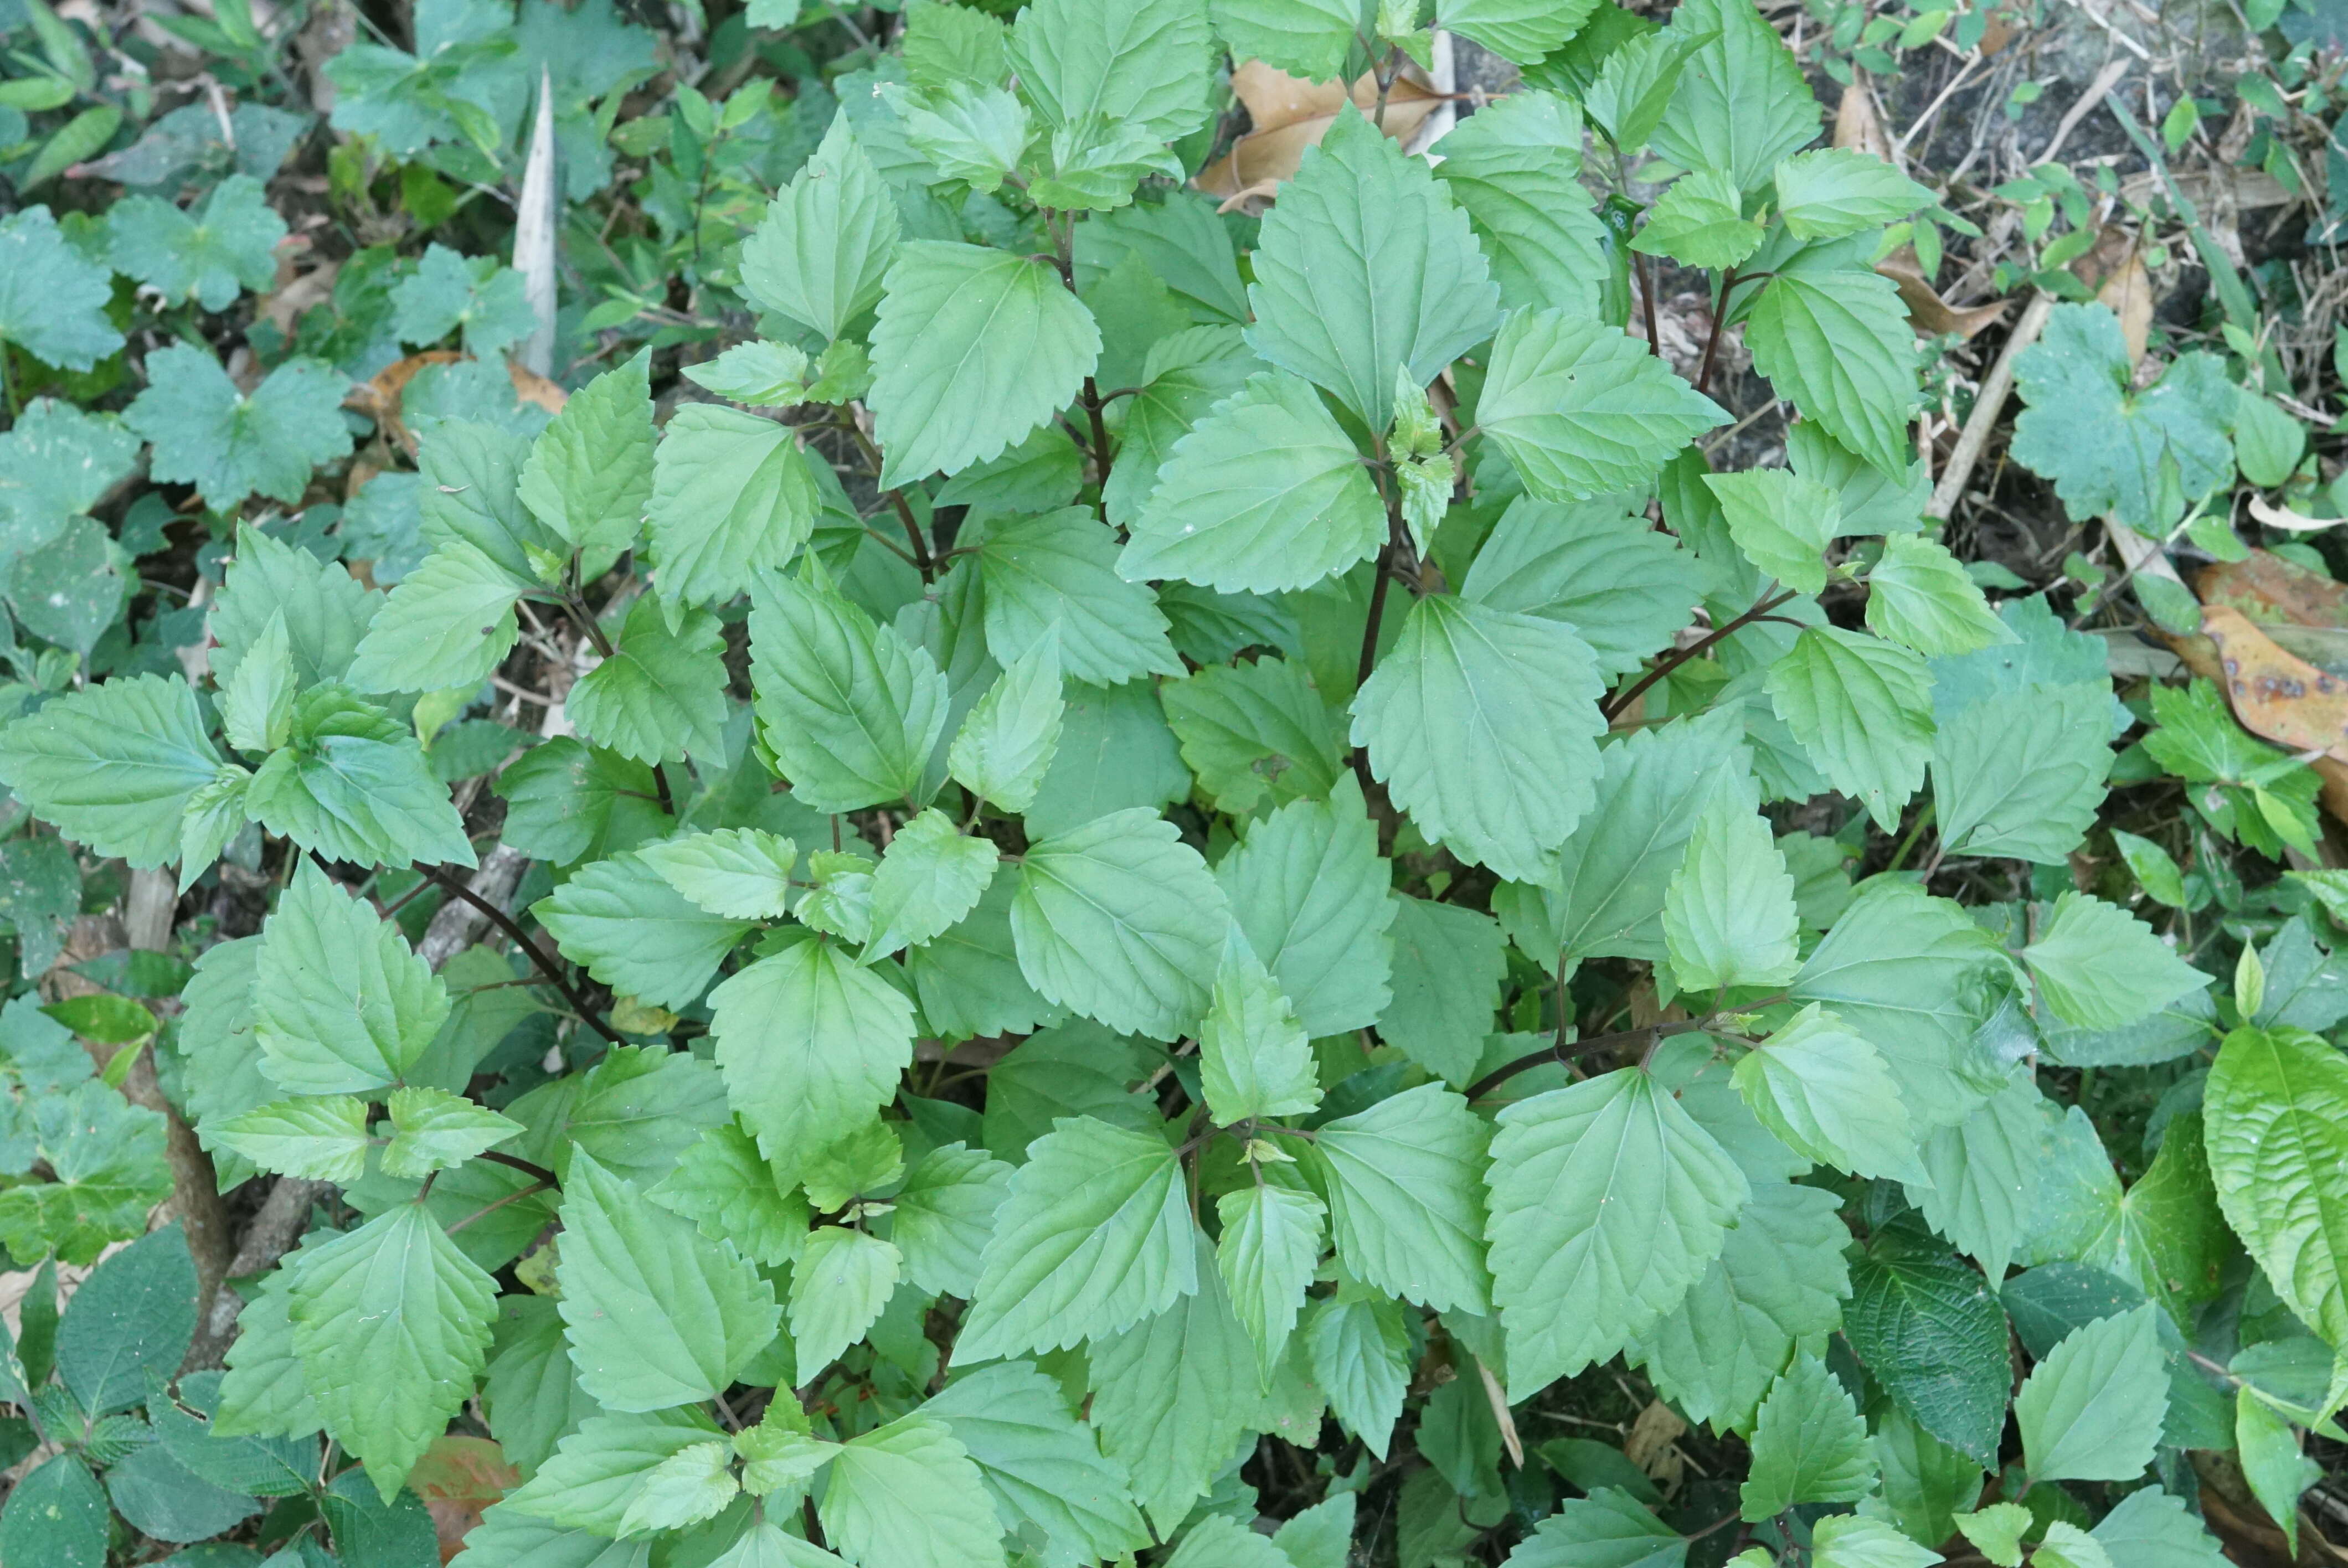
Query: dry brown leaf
(1653, 1445)
(378, 397)
(2277, 695)
(1932, 314)
(1859, 124)
(1289, 115)
(457, 1478)
(2270, 590)
(532, 387)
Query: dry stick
(546, 966)
(2089, 101)
(1986, 409)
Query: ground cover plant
(1235, 783)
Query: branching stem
(538, 956)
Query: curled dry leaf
(2289, 521)
(1858, 123)
(1930, 313)
(2277, 694)
(457, 1478)
(1289, 114)
(2266, 588)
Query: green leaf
(1699, 221)
(57, 1514)
(1919, 595)
(1171, 1396)
(635, 933)
(2100, 966)
(2151, 1529)
(1094, 1236)
(943, 1215)
(263, 1391)
(131, 1320)
(450, 622)
(1254, 1058)
(930, 877)
(1142, 64)
(530, 1396)
(1519, 30)
(1364, 266)
(1307, 38)
(1218, 1541)
(1433, 715)
(840, 1281)
(2268, 441)
(326, 608)
(974, 348)
(1984, 1176)
(1861, 708)
(1582, 409)
(907, 1494)
(591, 471)
(1781, 522)
(1810, 1444)
(724, 1184)
(56, 463)
(662, 691)
(2276, 1135)
(657, 1315)
(341, 1004)
(1359, 1355)
(1742, 104)
(432, 1129)
(392, 1324)
(810, 1043)
(1854, 1540)
(690, 1485)
(1256, 732)
(1057, 575)
(1512, 165)
(1308, 887)
(2092, 1409)
(739, 873)
(1114, 753)
(762, 373)
(318, 1139)
(1042, 1465)
(732, 499)
(448, 291)
(1828, 1095)
(1448, 963)
(1774, 1290)
(208, 258)
(1838, 345)
(1930, 1331)
(1729, 918)
(1839, 191)
(1006, 745)
(971, 133)
(1120, 921)
(1997, 1531)
(227, 445)
(53, 299)
(969, 979)
(354, 785)
(1623, 588)
(113, 766)
(1608, 1202)
(1608, 1526)
(852, 710)
(1271, 1242)
(1265, 492)
(1183, 376)
(2107, 447)
(2022, 772)
(1404, 1208)
(818, 255)
(600, 1468)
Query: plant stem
(1646, 266)
(513, 1197)
(526, 1167)
(922, 562)
(1620, 704)
(1092, 399)
(1712, 339)
(546, 966)
(1389, 559)
(1560, 1053)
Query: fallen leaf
(2267, 590)
(1289, 115)
(457, 1478)
(1932, 314)
(378, 397)
(1859, 124)
(2277, 695)
(2286, 520)
(2114, 268)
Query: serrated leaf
(974, 348)
(1138, 63)
(449, 291)
(1742, 104)
(1622, 585)
(591, 471)
(1448, 963)
(57, 462)
(1006, 745)
(1781, 522)
(1839, 191)
(690, 1485)
(1729, 918)
(341, 1004)
(449, 623)
(762, 373)
(318, 1139)
(1254, 1058)
(392, 1324)
(1581, 409)
(1120, 921)
(852, 710)
(1929, 1330)
(1838, 345)
(1307, 38)
(1308, 887)
(731, 499)
(1363, 267)
(929, 878)
(1810, 1444)
(635, 933)
(1042, 1465)
(662, 691)
(2022, 772)
(738, 873)
(2152, 1529)
(818, 255)
(1607, 1526)
(114, 766)
(1271, 1242)
(1515, 172)
(1460, 677)
(2274, 1131)
(1828, 1095)
(1919, 595)
(225, 243)
(228, 444)
(2091, 1411)
(1608, 1203)
(656, 1314)
(2098, 967)
(601, 1468)
(1855, 1540)
(1094, 1236)
(1404, 1208)
(810, 1044)
(1056, 576)
(1699, 221)
(840, 1282)
(723, 1183)
(1359, 1355)
(1861, 708)
(51, 299)
(432, 1129)
(907, 1494)
(944, 1214)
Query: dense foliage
(996, 868)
